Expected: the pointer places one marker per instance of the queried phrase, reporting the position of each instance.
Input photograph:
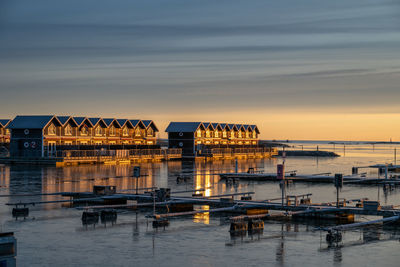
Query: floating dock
(350, 179)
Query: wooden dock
(350, 179)
(76, 157)
(236, 153)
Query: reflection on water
(202, 217)
(198, 238)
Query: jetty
(105, 202)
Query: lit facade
(35, 136)
(4, 131)
(193, 136)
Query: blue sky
(274, 63)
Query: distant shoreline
(313, 153)
(331, 142)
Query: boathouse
(29, 132)
(151, 131)
(205, 138)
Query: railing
(237, 151)
(118, 154)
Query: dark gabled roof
(215, 125)
(80, 120)
(63, 119)
(4, 122)
(109, 121)
(239, 126)
(207, 124)
(184, 127)
(94, 121)
(122, 122)
(255, 128)
(32, 121)
(224, 125)
(246, 127)
(231, 126)
(135, 122)
(139, 123)
(252, 127)
(149, 123)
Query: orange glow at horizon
(302, 125)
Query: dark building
(27, 135)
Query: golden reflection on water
(202, 217)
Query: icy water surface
(53, 235)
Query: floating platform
(308, 178)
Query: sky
(303, 70)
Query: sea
(54, 235)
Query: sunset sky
(310, 69)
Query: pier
(106, 201)
(76, 157)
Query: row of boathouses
(194, 138)
(51, 136)
(39, 136)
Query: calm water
(54, 236)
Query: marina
(178, 197)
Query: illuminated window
(125, 131)
(7, 131)
(198, 142)
(240, 134)
(247, 134)
(52, 129)
(68, 130)
(216, 133)
(233, 134)
(68, 143)
(149, 142)
(137, 132)
(98, 143)
(84, 130)
(198, 133)
(150, 132)
(254, 134)
(208, 133)
(112, 130)
(99, 131)
(224, 135)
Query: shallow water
(55, 236)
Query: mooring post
(338, 184)
(136, 174)
(236, 166)
(281, 176)
(386, 171)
